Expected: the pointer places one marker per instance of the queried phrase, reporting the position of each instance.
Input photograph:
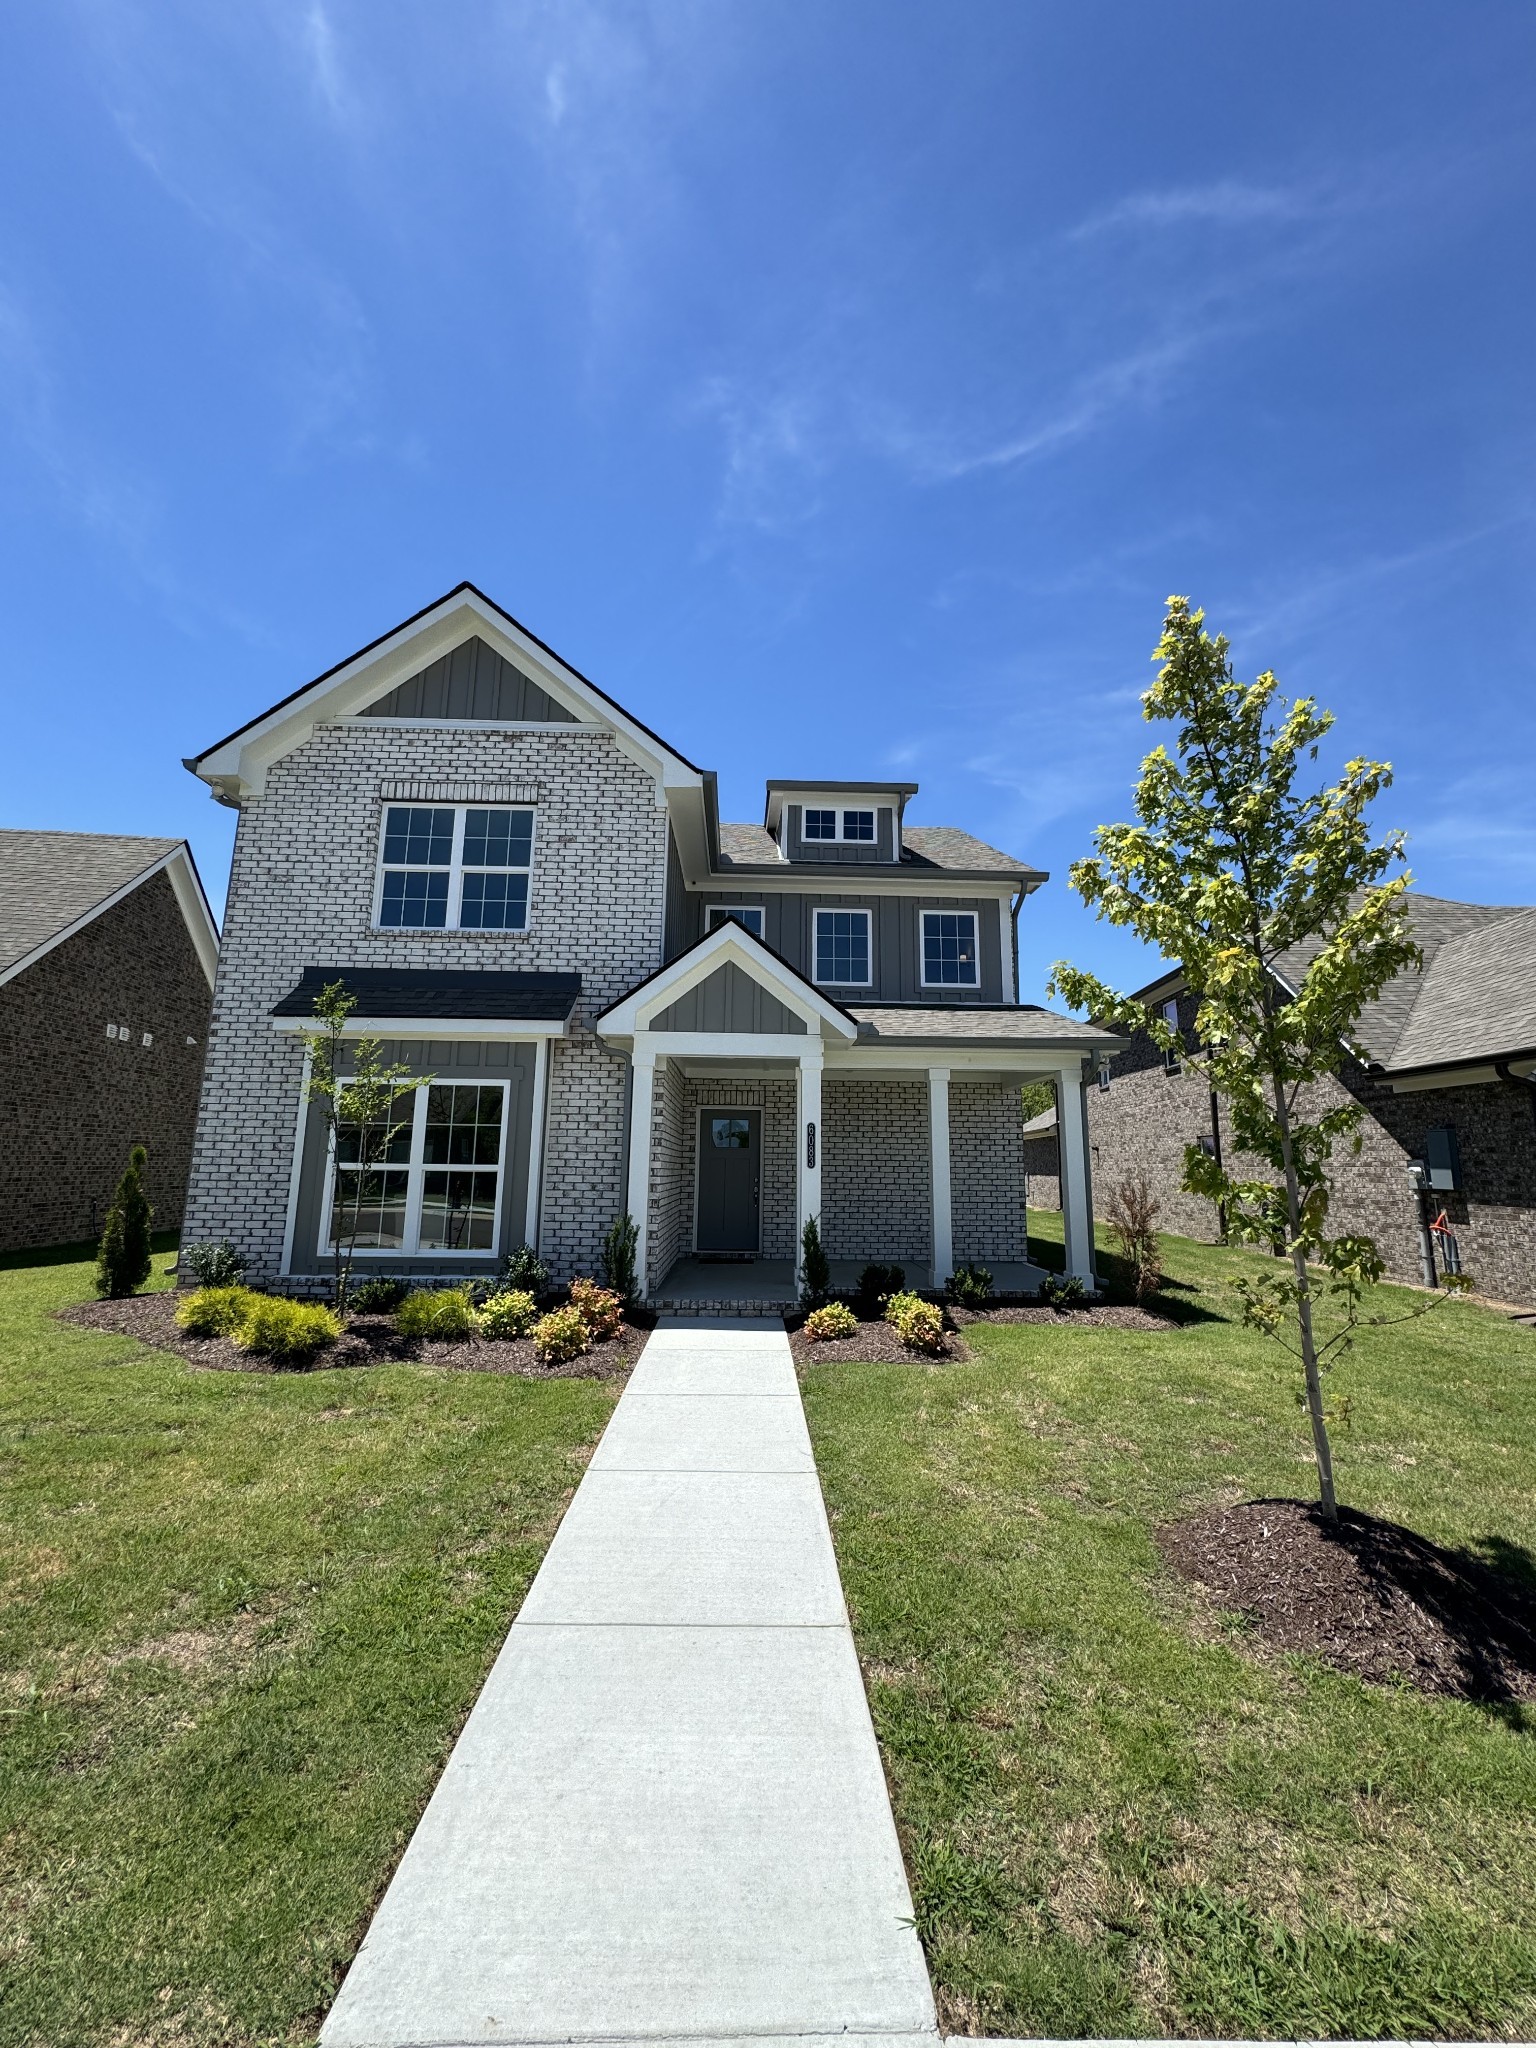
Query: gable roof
(728, 941)
(53, 884)
(941, 847)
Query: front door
(730, 1151)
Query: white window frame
(455, 869)
(732, 913)
(416, 1169)
(922, 948)
(842, 910)
(842, 812)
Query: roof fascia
(180, 870)
(777, 789)
(237, 766)
(727, 942)
(827, 878)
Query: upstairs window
(858, 825)
(1171, 1019)
(949, 949)
(820, 825)
(854, 826)
(455, 867)
(749, 914)
(841, 948)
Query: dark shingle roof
(447, 992)
(1012, 1024)
(50, 880)
(924, 846)
(1477, 997)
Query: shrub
(1132, 1217)
(1062, 1290)
(525, 1271)
(443, 1313)
(917, 1322)
(122, 1261)
(510, 1313)
(287, 1332)
(835, 1320)
(815, 1270)
(618, 1260)
(599, 1308)
(971, 1286)
(561, 1335)
(876, 1286)
(212, 1265)
(214, 1311)
(380, 1295)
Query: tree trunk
(1320, 1444)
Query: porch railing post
(642, 1094)
(1072, 1164)
(808, 1177)
(938, 1139)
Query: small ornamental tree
(1235, 861)
(123, 1258)
(361, 1110)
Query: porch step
(722, 1305)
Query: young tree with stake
(1235, 861)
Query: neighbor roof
(943, 847)
(53, 883)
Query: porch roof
(446, 993)
(1016, 1025)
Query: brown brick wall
(72, 1100)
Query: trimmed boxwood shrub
(379, 1295)
(876, 1286)
(971, 1286)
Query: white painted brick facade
(301, 894)
(986, 1170)
(876, 1178)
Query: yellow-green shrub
(561, 1335)
(214, 1311)
(916, 1322)
(508, 1315)
(599, 1308)
(835, 1320)
(288, 1332)
(441, 1312)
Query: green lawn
(243, 1618)
(1121, 1816)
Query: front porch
(695, 1284)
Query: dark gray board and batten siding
(728, 1000)
(839, 852)
(464, 1060)
(896, 932)
(471, 681)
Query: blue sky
(842, 386)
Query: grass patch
(1122, 1816)
(242, 1618)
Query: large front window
(427, 1179)
(842, 948)
(949, 949)
(455, 867)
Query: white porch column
(1072, 1150)
(938, 1140)
(808, 1174)
(642, 1093)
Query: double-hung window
(949, 949)
(834, 824)
(455, 867)
(427, 1180)
(749, 914)
(841, 948)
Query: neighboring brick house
(628, 1005)
(107, 957)
(1449, 1081)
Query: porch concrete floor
(774, 1279)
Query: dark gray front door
(730, 1149)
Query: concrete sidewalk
(666, 1817)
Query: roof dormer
(837, 823)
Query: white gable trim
(238, 766)
(732, 943)
(178, 867)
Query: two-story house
(624, 1003)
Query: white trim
(1072, 1167)
(1038, 1062)
(943, 1234)
(728, 941)
(296, 1171)
(532, 1208)
(818, 912)
(807, 1111)
(728, 1109)
(453, 918)
(840, 811)
(922, 947)
(181, 871)
(416, 1169)
(434, 1027)
(734, 910)
(642, 1096)
(869, 878)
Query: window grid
(842, 948)
(823, 823)
(949, 949)
(438, 1186)
(748, 914)
(455, 867)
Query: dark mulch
(876, 1343)
(1369, 1597)
(1097, 1315)
(367, 1340)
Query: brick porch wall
(986, 1170)
(876, 1183)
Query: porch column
(1072, 1150)
(938, 1140)
(642, 1093)
(809, 1147)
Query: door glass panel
(731, 1133)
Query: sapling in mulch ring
(359, 1101)
(1235, 861)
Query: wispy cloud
(1226, 202)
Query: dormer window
(839, 825)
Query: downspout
(1018, 905)
(1221, 1207)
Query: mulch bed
(1371, 1598)
(875, 1343)
(367, 1340)
(1093, 1315)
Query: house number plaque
(810, 1144)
